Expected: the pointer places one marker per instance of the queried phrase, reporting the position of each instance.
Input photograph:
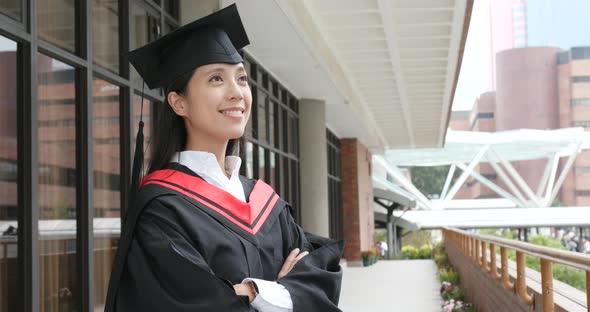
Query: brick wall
(357, 195)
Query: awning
(514, 145)
(495, 218)
(465, 150)
(387, 69)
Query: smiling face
(216, 104)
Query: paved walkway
(400, 285)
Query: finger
(294, 262)
(301, 255)
(287, 265)
(292, 256)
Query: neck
(216, 148)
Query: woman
(200, 238)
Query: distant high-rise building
(519, 24)
(574, 111)
(535, 23)
(459, 120)
(538, 88)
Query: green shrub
(442, 261)
(409, 252)
(546, 241)
(457, 293)
(570, 276)
(438, 249)
(449, 275)
(425, 252)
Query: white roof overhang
(495, 218)
(523, 144)
(387, 69)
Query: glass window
(580, 53)
(8, 176)
(271, 123)
(144, 28)
(580, 79)
(148, 117)
(286, 180)
(285, 129)
(107, 183)
(12, 8)
(580, 102)
(335, 198)
(105, 34)
(295, 140)
(171, 7)
(262, 128)
(291, 128)
(295, 104)
(252, 71)
(293, 182)
(272, 170)
(265, 81)
(261, 164)
(249, 160)
(274, 126)
(278, 115)
(168, 27)
(275, 88)
(57, 22)
(251, 124)
(248, 129)
(59, 287)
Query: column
(313, 162)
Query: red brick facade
(357, 195)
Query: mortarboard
(215, 38)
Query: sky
(473, 78)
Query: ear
(178, 103)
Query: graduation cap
(215, 38)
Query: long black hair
(170, 135)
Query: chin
(235, 134)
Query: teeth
(233, 112)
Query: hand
(246, 290)
(290, 262)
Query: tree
(431, 180)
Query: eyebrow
(223, 69)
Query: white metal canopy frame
(466, 150)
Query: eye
(215, 78)
(243, 79)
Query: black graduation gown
(187, 242)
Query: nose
(234, 91)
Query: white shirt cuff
(272, 296)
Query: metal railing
(474, 246)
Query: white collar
(202, 162)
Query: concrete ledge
(354, 264)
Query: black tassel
(136, 171)
(137, 165)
